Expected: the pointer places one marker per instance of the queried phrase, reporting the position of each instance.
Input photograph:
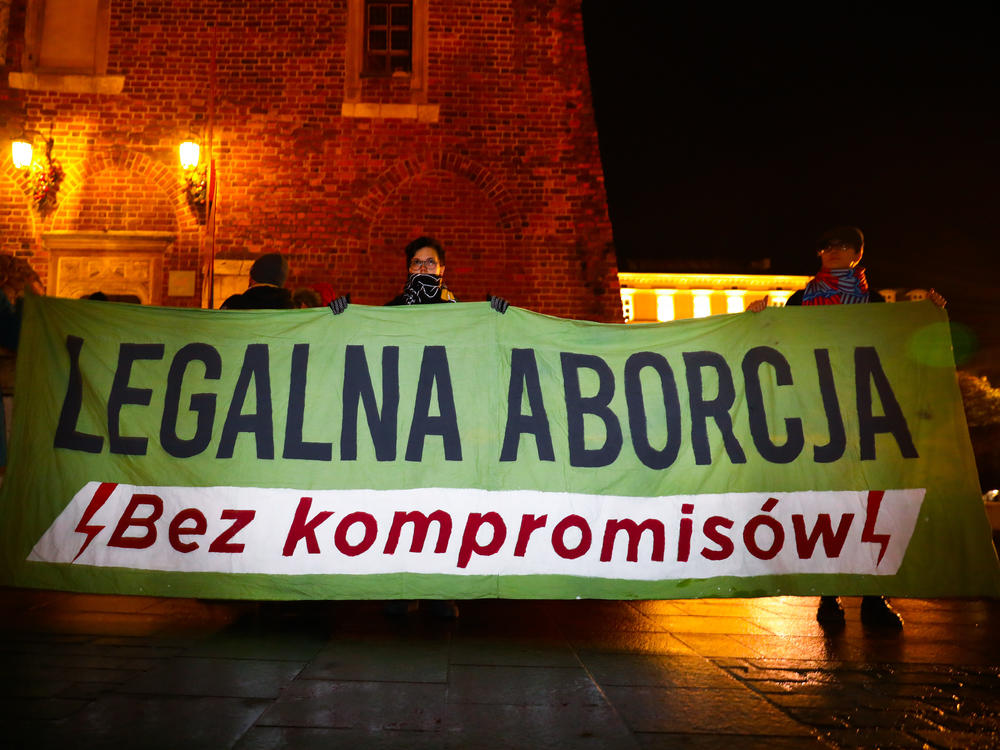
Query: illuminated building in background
(652, 297)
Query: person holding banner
(425, 284)
(267, 286)
(841, 281)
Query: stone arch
(122, 190)
(390, 180)
(448, 197)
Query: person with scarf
(425, 283)
(424, 286)
(841, 281)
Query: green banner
(449, 451)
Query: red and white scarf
(838, 286)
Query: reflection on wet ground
(88, 671)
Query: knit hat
(271, 268)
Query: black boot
(398, 607)
(876, 612)
(444, 609)
(830, 614)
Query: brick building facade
(485, 138)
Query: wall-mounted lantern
(195, 178)
(190, 153)
(21, 151)
(47, 176)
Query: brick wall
(508, 177)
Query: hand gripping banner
(449, 451)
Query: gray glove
(340, 304)
(498, 303)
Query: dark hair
(420, 243)
(305, 297)
(850, 236)
(16, 273)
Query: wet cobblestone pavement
(86, 671)
(888, 705)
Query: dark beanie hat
(271, 268)
(849, 236)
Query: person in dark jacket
(267, 286)
(842, 281)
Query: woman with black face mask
(425, 284)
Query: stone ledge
(112, 240)
(69, 84)
(374, 110)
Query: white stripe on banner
(479, 532)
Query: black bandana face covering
(422, 288)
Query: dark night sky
(743, 134)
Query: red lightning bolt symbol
(102, 494)
(871, 516)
